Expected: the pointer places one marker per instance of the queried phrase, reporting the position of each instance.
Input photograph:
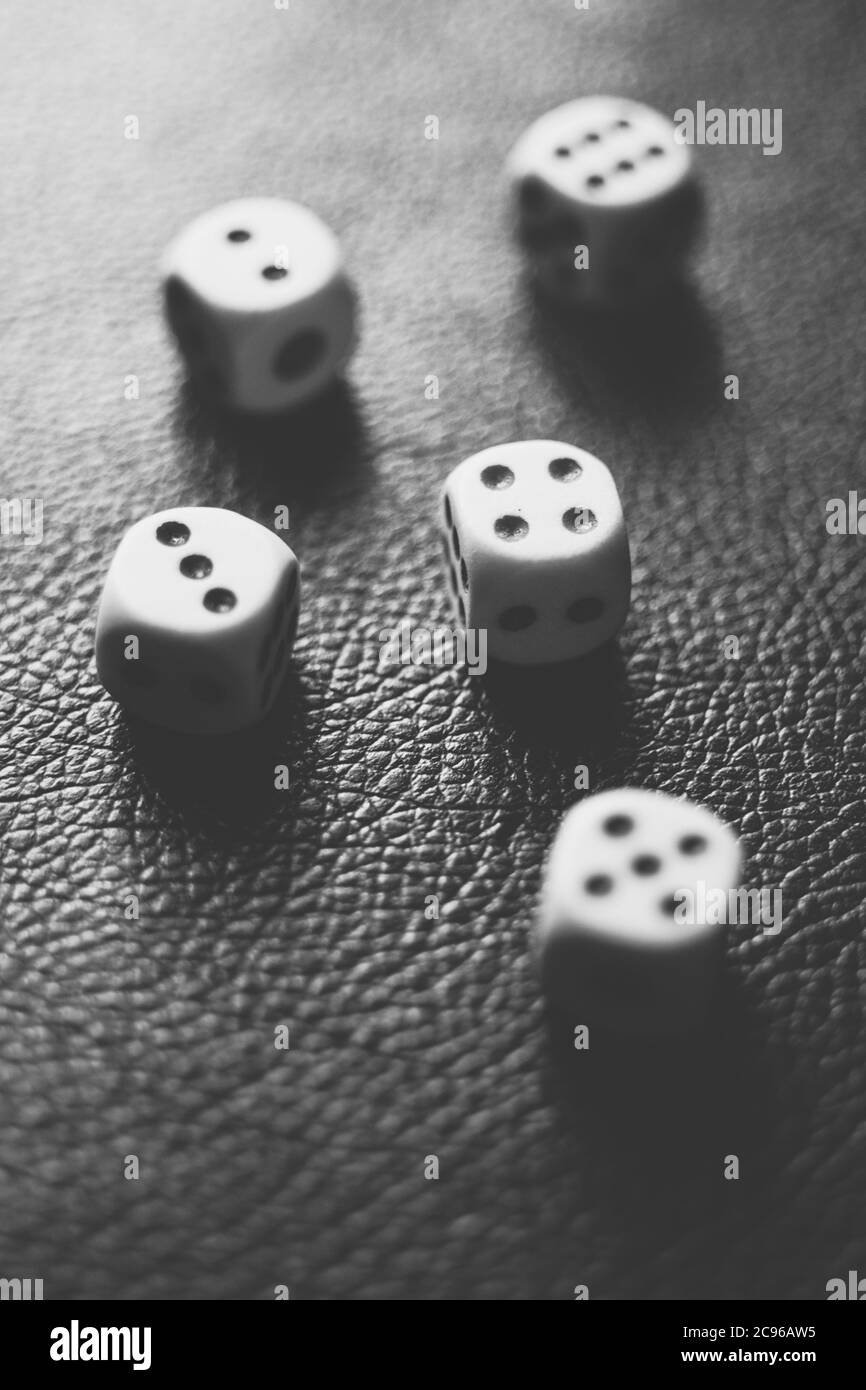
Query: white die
(624, 867)
(197, 618)
(537, 550)
(608, 174)
(258, 299)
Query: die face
(633, 257)
(599, 153)
(645, 847)
(202, 338)
(276, 637)
(258, 299)
(607, 174)
(185, 686)
(290, 356)
(255, 255)
(212, 599)
(538, 550)
(608, 942)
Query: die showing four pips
(536, 549)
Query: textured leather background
(412, 1037)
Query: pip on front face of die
(197, 619)
(624, 868)
(262, 309)
(608, 175)
(537, 550)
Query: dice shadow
(227, 781)
(663, 357)
(656, 1117)
(582, 706)
(317, 448)
(667, 1091)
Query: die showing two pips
(260, 304)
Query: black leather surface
(412, 1037)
